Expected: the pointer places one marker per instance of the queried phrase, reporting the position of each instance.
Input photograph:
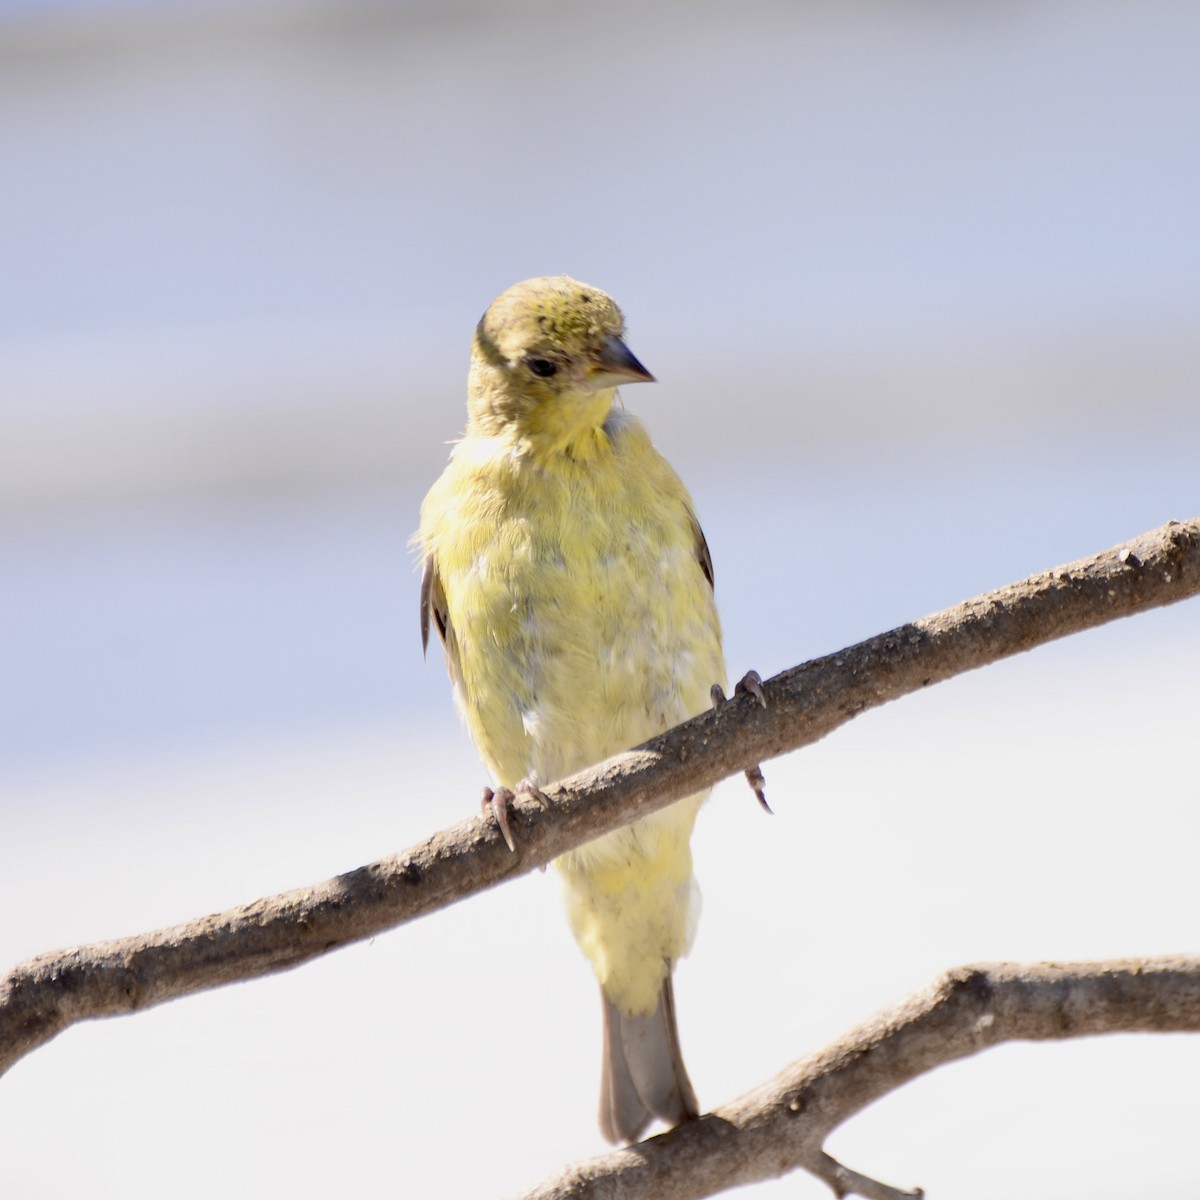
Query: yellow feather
(577, 605)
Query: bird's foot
(750, 684)
(530, 789)
(754, 777)
(497, 802)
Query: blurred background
(918, 282)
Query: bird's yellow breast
(581, 623)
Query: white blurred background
(919, 283)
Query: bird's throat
(572, 427)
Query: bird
(570, 583)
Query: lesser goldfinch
(570, 582)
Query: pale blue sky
(919, 285)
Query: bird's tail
(644, 1076)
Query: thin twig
(782, 1125)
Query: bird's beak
(615, 364)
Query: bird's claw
(754, 777)
(497, 802)
(750, 684)
(528, 788)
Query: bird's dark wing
(433, 603)
(702, 551)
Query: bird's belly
(603, 653)
(576, 646)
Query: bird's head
(547, 357)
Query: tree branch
(783, 1124)
(47, 994)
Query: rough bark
(783, 1124)
(45, 995)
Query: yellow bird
(571, 585)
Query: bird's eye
(543, 368)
